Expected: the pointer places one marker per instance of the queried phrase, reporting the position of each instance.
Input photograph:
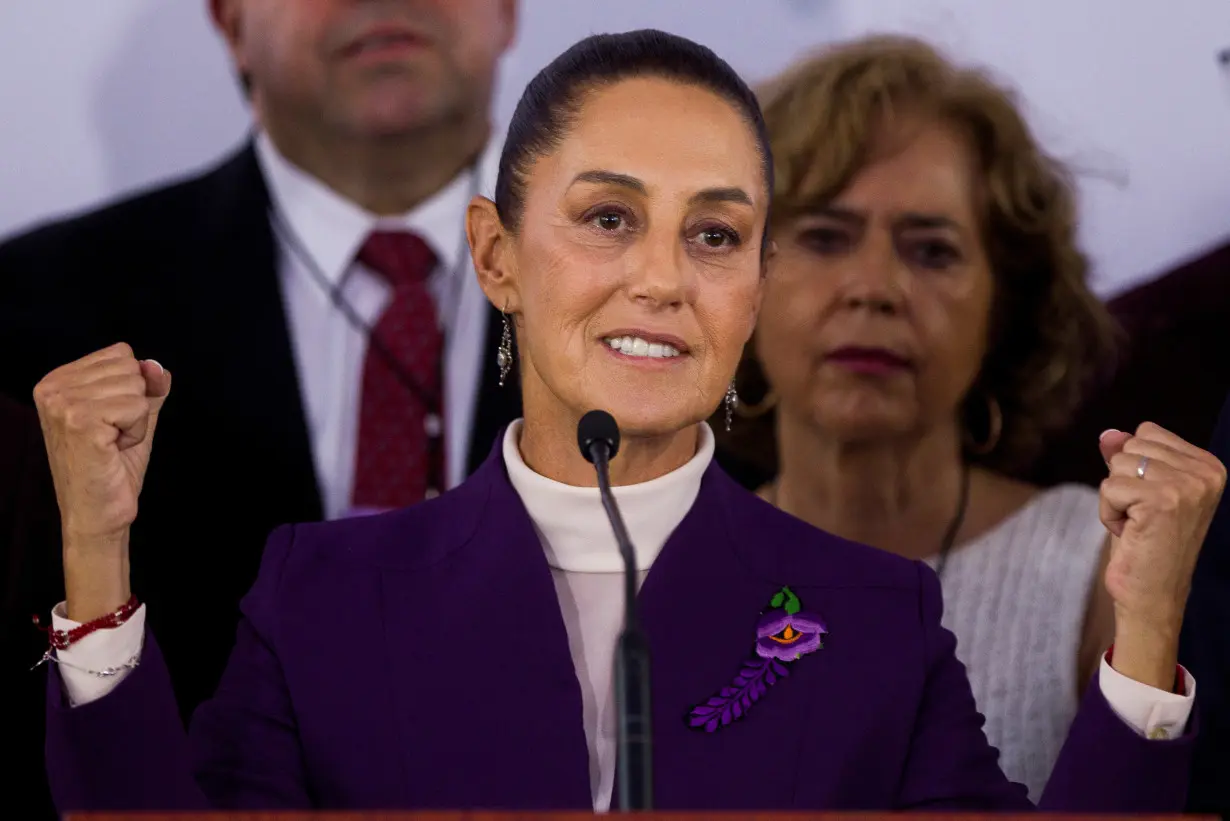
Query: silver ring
(1142, 467)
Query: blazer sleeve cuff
(116, 651)
(1152, 713)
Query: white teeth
(635, 346)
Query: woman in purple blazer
(458, 653)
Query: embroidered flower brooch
(784, 634)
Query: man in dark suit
(312, 293)
(1174, 370)
(1205, 649)
(31, 575)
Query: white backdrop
(101, 98)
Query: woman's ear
(758, 301)
(770, 251)
(491, 250)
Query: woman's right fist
(98, 416)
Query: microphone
(598, 438)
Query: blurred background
(108, 97)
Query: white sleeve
(116, 648)
(1149, 711)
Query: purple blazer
(418, 659)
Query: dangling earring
(504, 357)
(732, 402)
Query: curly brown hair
(1050, 334)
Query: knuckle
(1191, 486)
(122, 349)
(55, 407)
(130, 366)
(1147, 428)
(76, 418)
(98, 437)
(1169, 498)
(1217, 473)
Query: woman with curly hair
(926, 322)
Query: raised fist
(98, 416)
(1157, 502)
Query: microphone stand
(635, 737)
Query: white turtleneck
(588, 573)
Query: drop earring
(732, 402)
(504, 356)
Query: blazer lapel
(700, 606)
(485, 683)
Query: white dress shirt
(580, 548)
(319, 233)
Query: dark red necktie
(400, 456)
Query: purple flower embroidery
(783, 635)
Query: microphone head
(598, 426)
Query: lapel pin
(784, 634)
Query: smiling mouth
(639, 347)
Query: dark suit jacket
(1175, 371)
(418, 659)
(187, 274)
(1205, 649)
(30, 573)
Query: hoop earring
(995, 429)
(732, 403)
(504, 356)
(757, 409)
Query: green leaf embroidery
(793, 605)
(777, 600)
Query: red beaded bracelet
(63, 639)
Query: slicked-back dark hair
(551, 101)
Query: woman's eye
(609, 220)
(825, 240)
(717, 238)
(935, 254)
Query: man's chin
(396, 113)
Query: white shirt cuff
(116, 648)
(1151, 712)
